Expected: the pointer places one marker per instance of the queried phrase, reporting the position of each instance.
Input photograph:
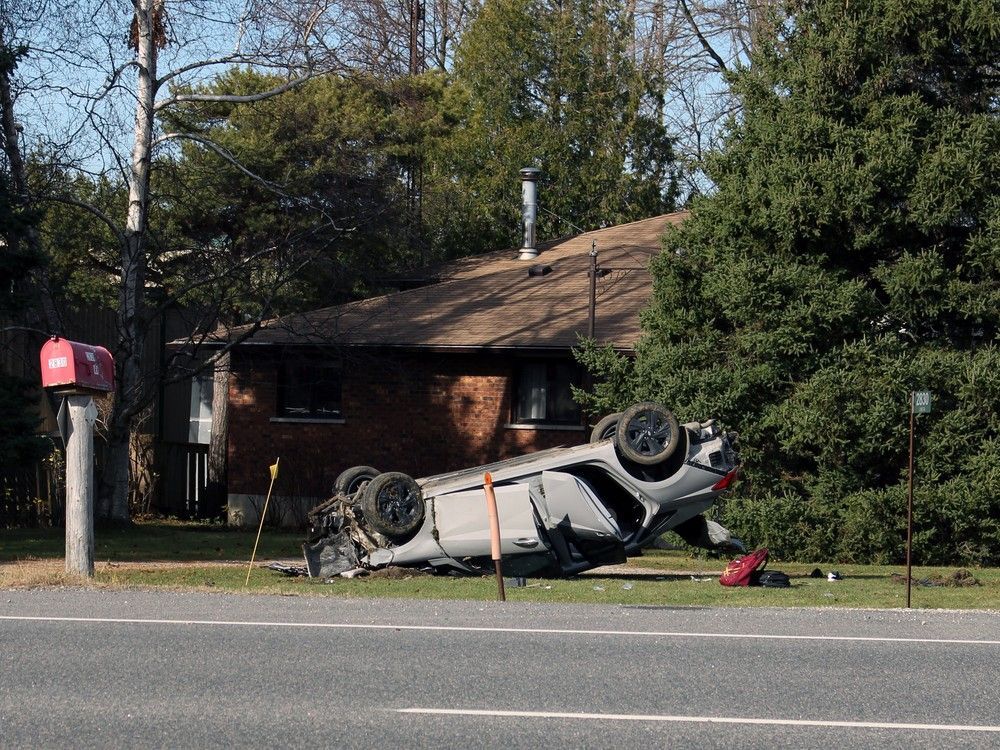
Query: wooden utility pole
(416, 36)
(216, 491)
(415, 169)
(82, 414)
(78, 371)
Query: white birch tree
(98, 78)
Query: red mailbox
(74, 366)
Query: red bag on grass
(740, 570)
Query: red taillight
(723, 484)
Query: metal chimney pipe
(529, 212)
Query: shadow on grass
(167, 541)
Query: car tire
(350, 481)
(647, 434)
(606, 428)
(393, 505)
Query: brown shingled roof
(490, 301)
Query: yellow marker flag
(263, 515)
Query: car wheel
(647, 434)
(606, 428)
(351, 480)
(393, 504)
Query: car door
(464, 528)
(583, 532)
(569, 502)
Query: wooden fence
(36, 495)
(32, 495)
(184, 484)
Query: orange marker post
(491, 511)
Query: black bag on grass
(774, 579)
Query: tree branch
(93, 210)
(235, 58)
(224, 154)
(701, 38)
(234, 98)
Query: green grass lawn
(870, 588)
(191, 556)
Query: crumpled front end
(337, 540)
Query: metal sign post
(920, 403)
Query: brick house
(471, 367)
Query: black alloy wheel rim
(397, 505)
(649, 433)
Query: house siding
(422, 413)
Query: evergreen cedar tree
(849, 254)
(555, 85)
(18, 444)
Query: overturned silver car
(561, 511)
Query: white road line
(702, 719)
(490, 629)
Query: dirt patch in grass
(396, 573)
(30, 574)
(958, 578)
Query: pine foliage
(18, 443)
(555, 85)
(850, 254)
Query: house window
(309, 390)
(543, 393)
(200, 412)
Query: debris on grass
(295, 571)
(958, 578)
(961, 577)
(396, 573)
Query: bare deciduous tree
(96, 66)
(391, 38)
(690, 45)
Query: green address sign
(921, 402)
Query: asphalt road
(134, 669)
